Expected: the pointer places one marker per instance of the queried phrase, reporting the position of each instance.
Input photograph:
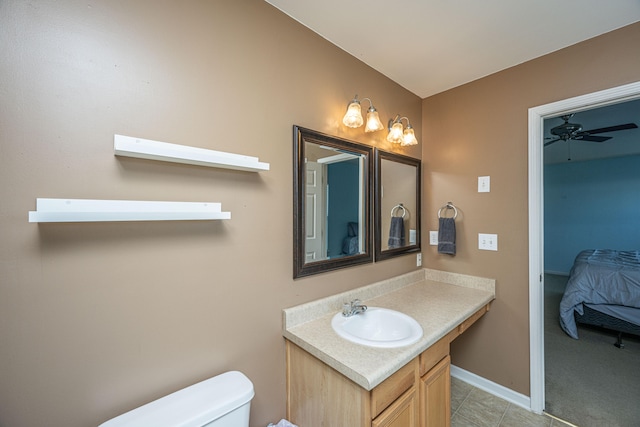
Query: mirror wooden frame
(410, 161)
(302, 268)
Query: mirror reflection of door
(315, 213)
(343, 203)
(334, 203)
(398, 199)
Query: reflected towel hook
(400, 206)
(448, 206)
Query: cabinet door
(435, 396)
(402, 413)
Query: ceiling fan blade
(593, 138)
(551, 142)
(611, 128)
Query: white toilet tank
(221, 401)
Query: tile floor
(472, 407)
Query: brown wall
(481, 129)
(96, 319)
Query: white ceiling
(429, 46)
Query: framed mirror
(397, 205)
(331, 203)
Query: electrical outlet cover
(488, 242)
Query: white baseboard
(491, 387)
(557, 273)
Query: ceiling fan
(567, 131)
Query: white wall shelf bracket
(85, 210)
(163, 151)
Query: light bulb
(373, 121)
(353, 116)
(395, 134)
(409, 136)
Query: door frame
(536, 219)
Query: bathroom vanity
(333, 381)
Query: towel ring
(448, 206)
(404, 210)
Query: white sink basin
(378, 327)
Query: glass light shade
(409, 137)
(353, 116)
(395, 134)
(373, 121)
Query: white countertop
(438, 300)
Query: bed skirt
(597, 318)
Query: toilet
(221, 401)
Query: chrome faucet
(352, 308)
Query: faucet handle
(346, 309)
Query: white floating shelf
(84, 210)
(153, 150)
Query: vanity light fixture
(399, 134)
(353, 116)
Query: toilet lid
(193, 406)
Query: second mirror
(397, 220)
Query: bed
(603, 290)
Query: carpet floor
(589, 382)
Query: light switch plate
(418, 259)
(484, 184)
(433, 238)
(488, 242)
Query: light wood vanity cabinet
(417, 395)
(318, 395)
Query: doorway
(536, 220)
